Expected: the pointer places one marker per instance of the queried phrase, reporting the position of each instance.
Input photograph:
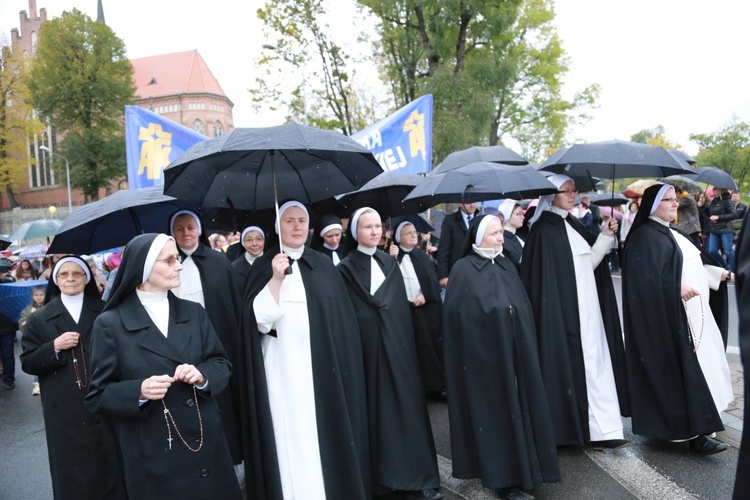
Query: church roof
(173, 74)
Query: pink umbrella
(610, 212)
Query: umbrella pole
(289, 269)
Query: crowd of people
(297, 362)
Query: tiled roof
(171, 74)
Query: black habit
(669, 397)
(402, 449)
(241, 268)
(222, 297)
(428, 321)
(742, 287)
(82, 449)
(512, 248)
(500, 425)
(338, 380)
(548, 273)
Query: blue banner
(151, 143)
(402, 142)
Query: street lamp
(67, 173)
(274, 48)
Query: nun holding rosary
(156, 368)
(56, 347)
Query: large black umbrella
(682, 156)
(385, 193)
(584, 183)
(715, 177)
(482, 181)
(4, 242)
(494, 154)
(113, 221)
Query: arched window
(198, 127)
(34, 40)
(218, 129)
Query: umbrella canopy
(682, 156)
(715, 177)
(15, 296)
(41, 228)
(4, 242)
(494, 154)
(684, 183)
(32, 251)
(607, 199)
(482, 181)
(610, 212)
(637, 188)
(385, 193)
(250, 168)
(584, 183)
(421, 224)
(113, 221)
(616, 160)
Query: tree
(16, 122)
(494, 68)
(728, 149)
(80, 82)
(654, 137)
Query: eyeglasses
(408, 233)
(568, 191)
(65, 275)
(670, 200)
(171, 260)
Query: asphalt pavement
(646, 470)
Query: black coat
(338, 379)
(241, 268)
(669, 397)
(452, 235)
(83, 454)
(512, 248)
(547, 271)
(221, 295)
(428, 322)
(723, 208)
(500, 425)
(126, 349)
(402, 449)
(742, 287)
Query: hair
(633, 203)
(18, 272)
(38, 288)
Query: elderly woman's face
(185, 231)
(409, 238)
(71, 278)
(493, 236)
(165, 274)
(253, 243)
(294, 227)
(369, 229)
(565, 198)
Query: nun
(678, 374)
(492, 369)
(402, 448)
(156, 368)
(305, 397)
(566, 274)
(512, 221)
(253, 239)
(330, 239)
(423, 295)
(83, 455)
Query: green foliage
(728, 149)
(654, 137)
(81, 81)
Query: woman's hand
(189, 374)
(155, 387)
(714, 218)
(279, 264)
(393, 250)
(687, 292)
(610, 227)
(419, 300)
(67, 340)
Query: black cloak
(82, 448)
(338, 378)
(241, 268)
(428, 321)
(316, 240)
(512, 248)
(126, 349)
(669, 397)
(548, 273)
(402, 449)
(742, 484)
(500, 425)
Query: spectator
(688, 218)
(721, 215)
(703, 201)
(99, 278)
(8, 329)
(37, 302)
(24, 271)
(627, 220)
(739, 207)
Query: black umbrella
(385, 193)
(421, 224)
(607, 199)
(494, 154)
(482, 181)
(682, 156)
(584, 183)
(113, 221)
(715, 177)
(4, 242)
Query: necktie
(468, 220)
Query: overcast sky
(683, 64)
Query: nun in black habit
(678, 375)
(156, 367)
(304, 388)
(402, 449)
(512, 222)
(330, 239)
(83, 454)
(423, 294)
(253, 239)
(492, 369)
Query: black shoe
(10, 386)
(611, 444)
(512, 494)
(428, 494)
(704, 445)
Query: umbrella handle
(289, 269)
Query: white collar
(367, 250)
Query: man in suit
(452, 235)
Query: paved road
(646, 470)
